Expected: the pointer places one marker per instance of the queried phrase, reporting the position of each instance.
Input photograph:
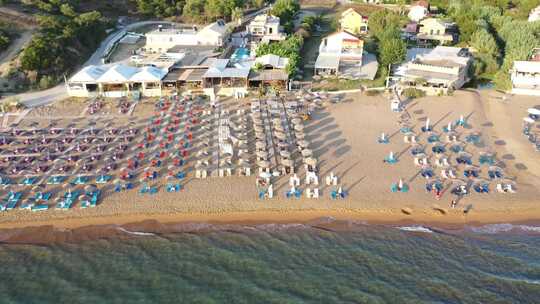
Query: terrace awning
(327, 62)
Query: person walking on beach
(453, 204)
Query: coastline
(137, 225)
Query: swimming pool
(240, 54)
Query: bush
(46, 82)
(413, 93)
(372, 92)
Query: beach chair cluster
(531, 127)
(450, 157)
(167, 144)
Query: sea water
(281, 264)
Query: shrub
(413, 93)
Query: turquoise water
(240, 54)
(278, 264)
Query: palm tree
(237, 14)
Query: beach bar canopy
(116, 80)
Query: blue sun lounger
(395, 188)
(56, 180)
(28, 204)
(174, 187)
(5, 181)
(80, 180)
(29, 181)
(103, 179)
(144, 189)
(41, 207)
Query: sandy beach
(344, 138)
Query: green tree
(383, 20)
(286, 10)
(194, 9)
(392, 49)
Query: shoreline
(143, 225)
(453, 219)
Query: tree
(193, 9)
(392, 50)
(286, 10)
(237, 13)
(289, 48)
(383, 20)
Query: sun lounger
(56, 180)
(510, 188)
(41, 207)
(28, 204)
(444, 174)
(103, 179)
(144, 189)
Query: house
(432, 29)
(435, 71)
(222, 79)
(272, 72)
(339, 49)
(162, 39)
(116, 80)
(535, 14)
(418, 10)
(352, 22)
(265, 28)
(525, 76)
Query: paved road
(51, 95)
(15, 47)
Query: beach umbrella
(260, 145)
(299, 127)
(310, 161)
(262, 154)
(260, 135)
(265, 175)
(303, 143)
(307, 153)
(296, 121)
(285, 154)
(287, 162)
(283, 145)
(264, 163)
(280, 135)
(299, 135)
(528, 120)
(533, 111)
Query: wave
(136, 232)
(415, 229)
(503, 228)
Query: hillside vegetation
(66, 37)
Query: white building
(535, 14)
(436, 71)
(265, 28)
(116, 80)
(337, 49)
(418, 11)
(160, 40)
(525, 76)
(272, 61)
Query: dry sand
(343, 137)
